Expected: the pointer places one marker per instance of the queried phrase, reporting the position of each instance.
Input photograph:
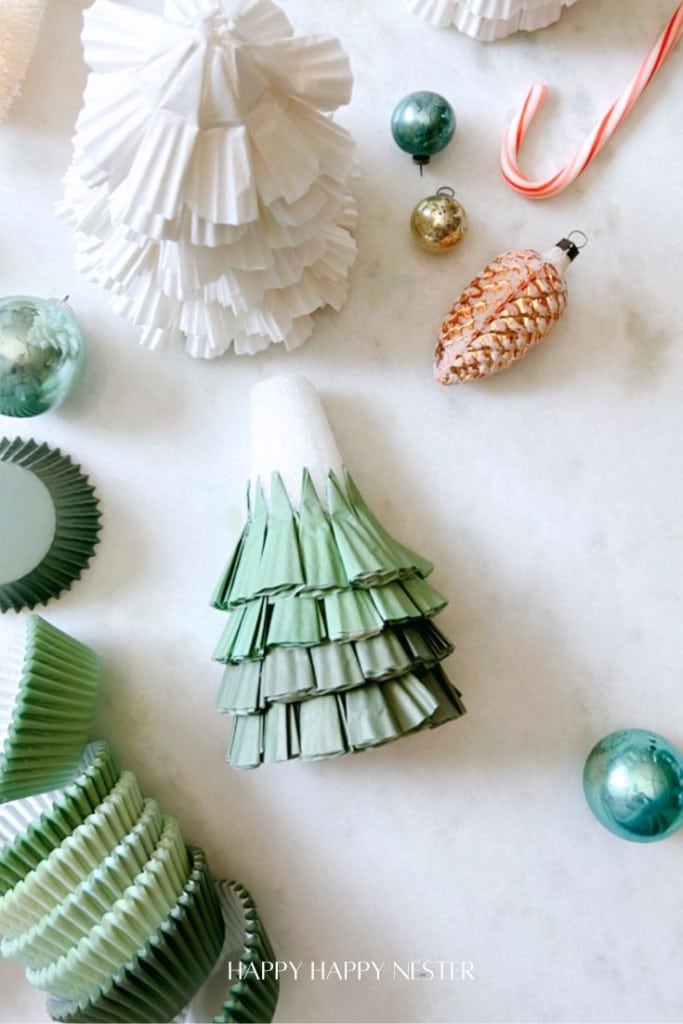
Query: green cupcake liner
(315, 550)
(338, 723)
(252, 997)
(80, 973)
(172, 965)
(56, 685)
(77, 524)
(55, 878)
(53, 935)
(31, 829)
(287, 674)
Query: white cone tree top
(20, 21)
(208, 187)
(290, 432)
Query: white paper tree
(209, 186)
(488, 20)
(20, 21)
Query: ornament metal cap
(571, 248)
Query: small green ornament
(41, 354)
(423, 124)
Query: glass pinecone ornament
(503, 313)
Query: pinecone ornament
(506, 310)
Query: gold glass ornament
(438, 222)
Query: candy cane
(610, 122)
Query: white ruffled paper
(488, 20)
(208, 190)
(20, 21)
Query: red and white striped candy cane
(596, 140)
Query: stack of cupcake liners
(488, 20)
(100, 899)
(329, 647)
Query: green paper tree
(330, 645)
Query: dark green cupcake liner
(252, 998)
(77, 524)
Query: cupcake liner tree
(20, 22)
(330, 646)
(208, 190)
(100, 898)
(488, 20)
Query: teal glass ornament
(41, 354)
(633, 781)
(422, 124)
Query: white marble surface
(549, 499)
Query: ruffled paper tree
(20, 21)
(330, 645)
(488, 20)
(209, 186)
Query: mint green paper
(295, 622)
(323, 567)
(287, 674)
(280, 567)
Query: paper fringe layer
(328, 648)
(77, 527)
(20, 22)
(208, 192)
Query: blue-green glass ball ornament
(633, 781)
(423, 124)
(41, 354)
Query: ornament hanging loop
(583, 238)
(535, 98)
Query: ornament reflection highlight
(41, 355)
(633, 781)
